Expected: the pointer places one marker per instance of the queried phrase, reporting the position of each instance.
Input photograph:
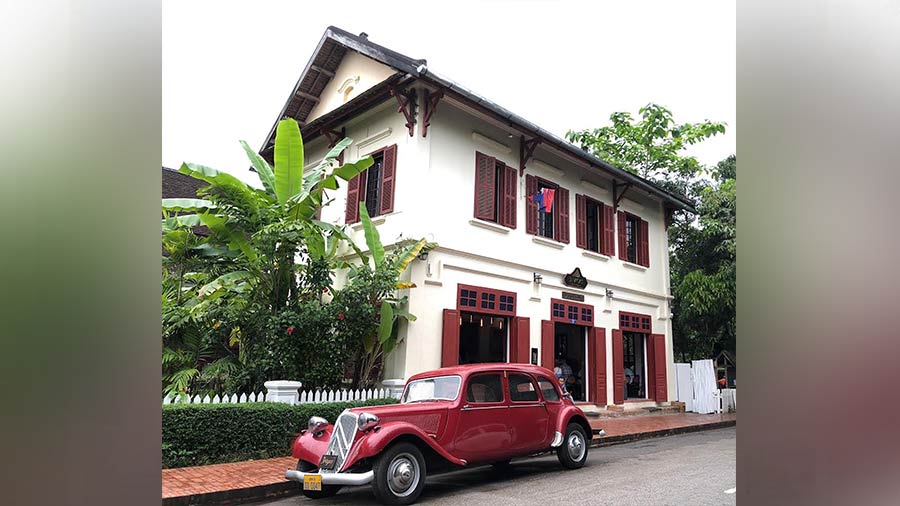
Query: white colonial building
(587, 282)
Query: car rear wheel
(399, 474)
(327, 490)
(573, 451)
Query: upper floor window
(595, 225)
(374, 186)
(634, 239)
(495, 191)
(553, 221)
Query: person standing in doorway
(629, 379)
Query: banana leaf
(373, 240)
(288, 160)
(265, 172)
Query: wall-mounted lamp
(609, 293)
(538, 278)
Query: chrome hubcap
(576, 446)
(403, 474)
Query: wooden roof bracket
(669, 214)
(617, 195)
(526, 151)
(407, 101)
(431, 102)
(333, 136)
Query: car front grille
(342, 439)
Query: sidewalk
(257, 479)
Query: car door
(552, 401)
(528, 418)
(482, 433)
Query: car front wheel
(573, 451)
(399, 474)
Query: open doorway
(634, 358)
(483, 338)
(570, 344)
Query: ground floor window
(483, 338)
(634, 355)
(571, 359)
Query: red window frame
(584, 313)
(635, 322)
(485, 300)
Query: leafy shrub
(200, 434)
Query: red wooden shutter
(388, 176)
(608, 246)
(618, 367)
(561, 208)
(450, 338)
(597, 365)
(520, 348)
(644, 243)
(547, 351)
(351, 213)
(659, 352)
(580, 221)
(510, 182)
(650, 380)
(485, 181)
(623, 244)
(531, 208)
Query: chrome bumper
(334, 478)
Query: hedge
(200, 434)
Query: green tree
(651, 146)
(702, 249)
(703, 269)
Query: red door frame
(656, 381)
(596, 344)
(518, 330)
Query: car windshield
(429, 389)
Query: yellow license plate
(312, 482)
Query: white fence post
(283, 391)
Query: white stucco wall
(363, 72)
(434, 195)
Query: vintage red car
(447, 419)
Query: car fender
(570, 414)
(310, 448)
(373, 442)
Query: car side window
(521, 388)
(485, 388)
(548, 389)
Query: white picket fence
(306, 397)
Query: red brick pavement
(187, 481)
(635, 425)
(227, 481)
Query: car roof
(469, 369)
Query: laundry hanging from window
(544, 199)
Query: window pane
(593, 225)
(485, 388)
(443, 387)
(548, 390)
(373, 186)
(521, 389)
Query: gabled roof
(331, 49)
(177, 185)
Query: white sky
(228, 68)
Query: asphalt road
(690, 469)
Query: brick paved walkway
(254, 479)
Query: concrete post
(283, 391)
(394, 386)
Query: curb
(628, 438)
(235, 496)
(285, 488)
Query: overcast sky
(228, 68)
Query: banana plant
(260, 232)
(387, 269)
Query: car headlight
(367, 421)
(316, 424)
